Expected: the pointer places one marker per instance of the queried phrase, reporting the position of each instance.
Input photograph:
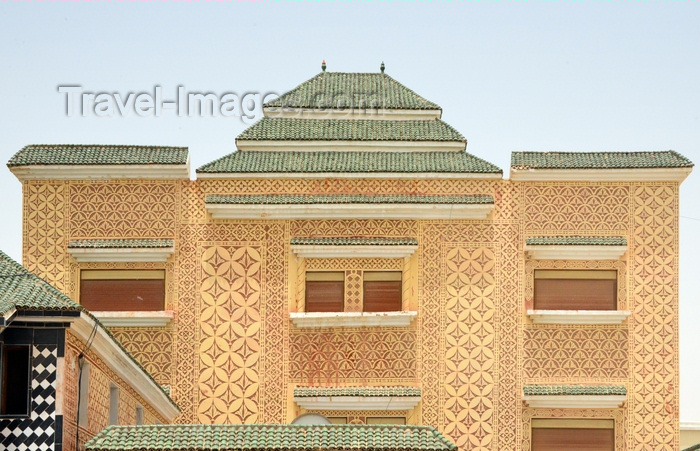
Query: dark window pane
(15, 381)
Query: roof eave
(124, 366)
(600, 175)
(102, 172)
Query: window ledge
(352, 319)
(578, 316)
(135, 319)
(575, 401)
(121, 254)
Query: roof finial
(382, 67)
(323, 66)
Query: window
(573, 435)
(113, 404)
(14, 386)
(122, 290)
(575, 290)
(325, 291)
(84, 393)
(381, 291)
(386, 420)
(139, 415)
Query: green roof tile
(120, 244)
(281, 129)
(269, 437)
(575, 390)
(96, 154)
(356, 90)
(283, 199)
(349, 162)
(355, 241)
(598, 160)
(576, 241)
(695, 447)
(22, 290)
(313, 392)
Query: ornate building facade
(351, 259)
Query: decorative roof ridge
(529, 160)
(351, 241)
(574, 390)
(121, 243)
(576, 240)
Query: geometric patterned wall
(232, 355)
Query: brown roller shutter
(123, 290)
(381, 293)
(325, 292)
(572, 439)
(576, 292)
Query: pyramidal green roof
(22, 290)
(599, 160)
(354, 90)
(97, 154)
(286, 129)
(349, 162)
(269, 437)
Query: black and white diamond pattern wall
(38, 431)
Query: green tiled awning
(312, 392)
(358, 90)
(285, 199)
(22, 290)
(352, 241)
(599, 160)
(349, 162)
(269, 437)
(573, 390)
(121, 244)
(281, 129)
(576, 241)
(75, 154)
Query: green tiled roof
(599, 160)
(348, 162)
(313, 392)
(355, 241)
(281, 129)
(22, 290)
(269, 437)
(120, 244)
(575, 390)
(576, 241)
(96, 154)
(284, 199)
(357, 90)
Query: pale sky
(510, 76)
